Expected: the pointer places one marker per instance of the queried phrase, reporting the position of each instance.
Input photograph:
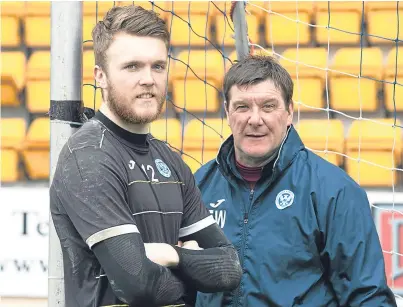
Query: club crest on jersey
(284, 199)
(163, 168)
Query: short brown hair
(130, 19)
(254, 69)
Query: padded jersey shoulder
(90, 134)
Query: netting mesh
(202, 48)
(344, 59)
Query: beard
(125, 108)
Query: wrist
(173, 259)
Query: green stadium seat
(12, 136)
(307, 67)
(379, 143)
(37, 23)
(329, 137)
(35, 152)
(393, 94)
(202, 139)
(13, 67)
(343, 18)
(347, 91)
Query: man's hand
(191, 245)
(162, 254)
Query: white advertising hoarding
(24, 241)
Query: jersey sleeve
(92, 189)
(195, 214)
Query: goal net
(344, 60)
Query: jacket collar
(289, 148)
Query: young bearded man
(120, 199)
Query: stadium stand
(168, 130)
(309, 77)
(343, 78)
(202, 139)
(393, 72)
(35, 149)
(38, 82)
(383, 21)
(342, 18)
(330, 137)
(348, 92)
(37, 23)
(197, 71)
(11, 14)
(281, 25)
(379, 143)
(13, 74)
(12, 135)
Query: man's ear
(290, 112)
(100, 77)
(226, 106)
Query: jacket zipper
(244, 234)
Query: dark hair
(130, 19)
(255, 69)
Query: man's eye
(159, 67)
(241, 107)
(132, 66)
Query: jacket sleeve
(352, 255)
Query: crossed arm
(92, 192)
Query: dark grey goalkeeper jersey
(110, 182)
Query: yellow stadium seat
(12, 132)
(338, 22)
(190, 22)
(382, 20)
(11, 13)
(92, 96)
(281, 23)
(9, 165)
(202, 139)
(188, 74)
(225, 33)
(35, 150)
(393, 94)
(322, 136)
(190, 30)
(38, 82)
(307, 67)
(13, 66)
(168, 130)
(12, 136)
(347, 91)
(372, 143)
(37, 24)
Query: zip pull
(251, 194)
(245, 218)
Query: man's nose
(147, 78)
(255, 118)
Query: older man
(302, 227)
